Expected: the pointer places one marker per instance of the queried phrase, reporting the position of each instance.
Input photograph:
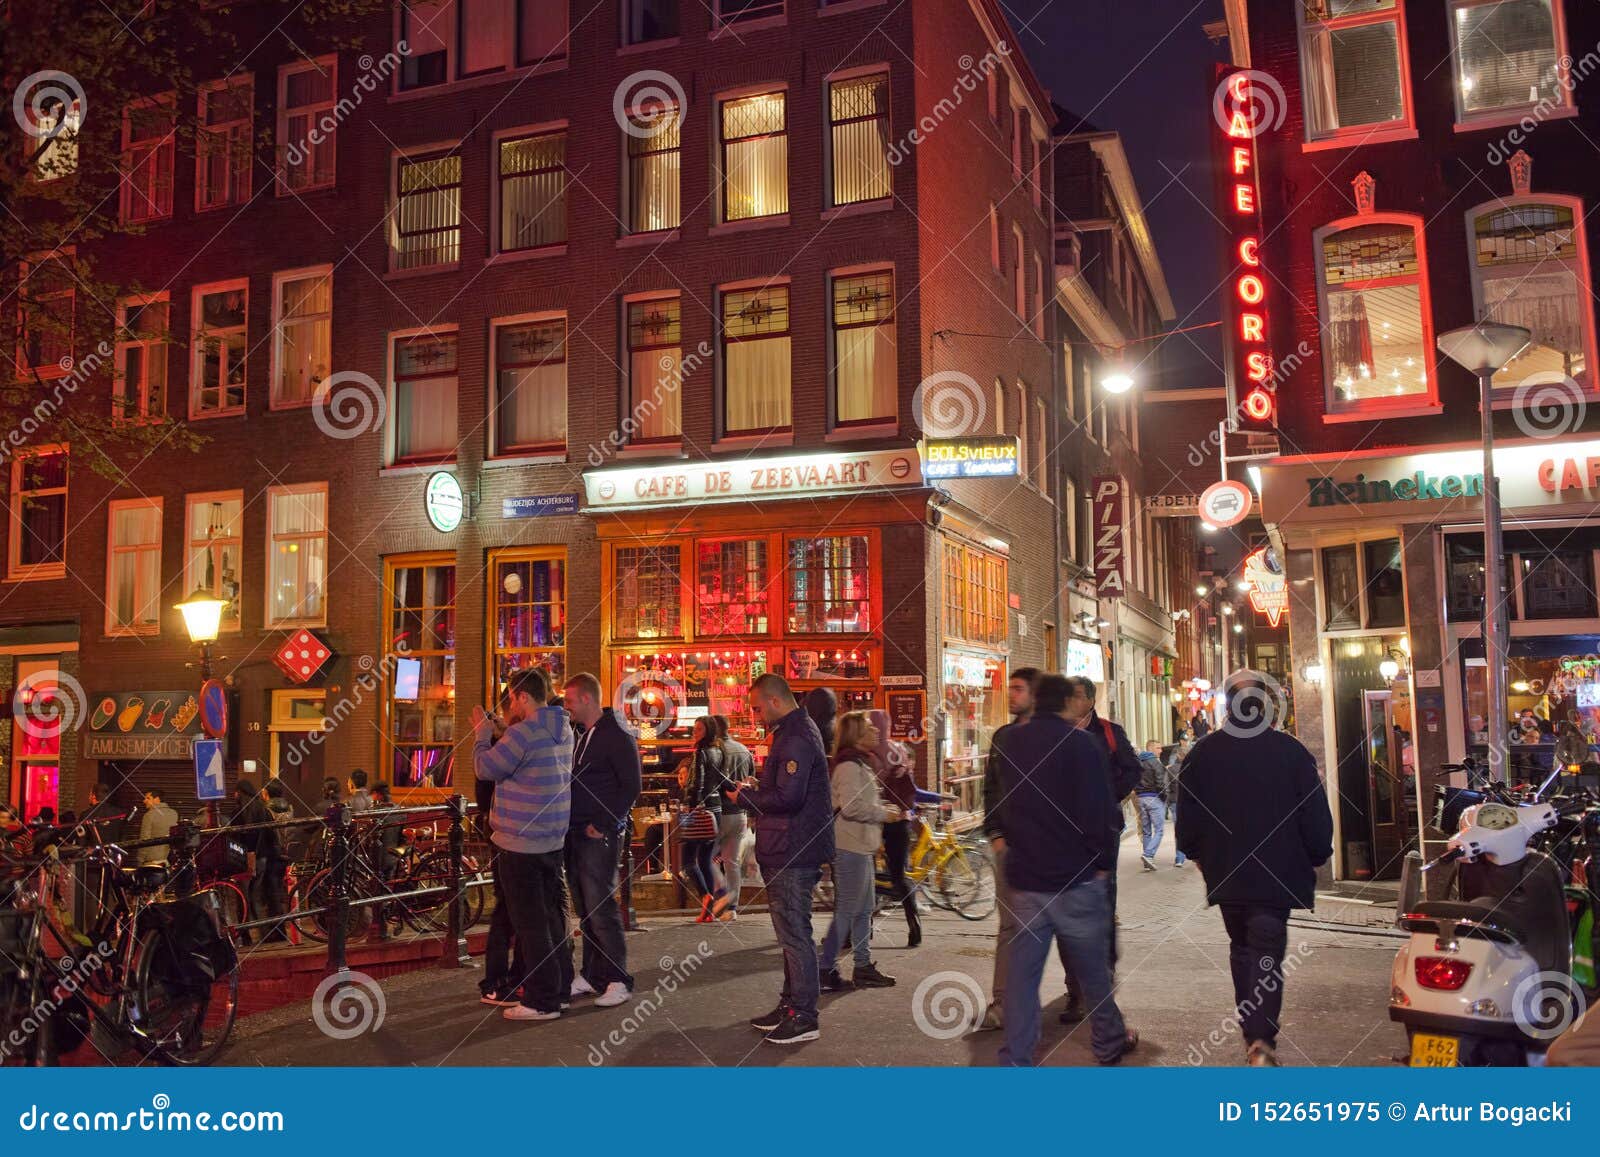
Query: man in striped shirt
(528, 756)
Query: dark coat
(606, 775)
(1122, 758)
(708, 776)
(792, 803)
(992, 791)
(1055, 799)
(1253, 813)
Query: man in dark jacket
(1019, 698)
(1151, 794)
(792, 804)
(1254, 815)
(606, 777)
(1060, 853)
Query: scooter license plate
(1434, 1052)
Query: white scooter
(1486, 980)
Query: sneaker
(581, 987)
(728, 914)
(831, 981)
(1072, 1014)
(1149, 864)
(616, 993)
(794, 1030)
(722, 906)
(1130, 1041)
(992, 1020)
(868, 976)
(523, 1012)
(499, 998)
(1261, 1055)
(769, 1021)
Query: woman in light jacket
(857, 830)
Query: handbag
(697, 824)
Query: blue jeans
(1080, 919)
(853, 874)
(1172, 814)
(1152, 822)
(592, 876)
(789, 900)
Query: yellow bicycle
(955, 872)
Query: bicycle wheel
(432, 913)
(184, 1020)
(232, 904)
(965, 883)
(317, 892)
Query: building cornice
(1108, 147)
(1086, 309)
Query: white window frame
(397, 160)
(1512, 113)
(231, 624)
(151, 347)
(778, 435)
(273, 494)
(275, 354)
(113, 628)
(231, 132)
(549, 454)
(315, 113)
(196, 350)
(147, 150)
(16, 570)
(1402, 129)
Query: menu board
(907, 712)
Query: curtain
(1349, 336)
(425, 425)
(860, 161)
(653, 180)
(865, 375)
(485, 35)
(657, 392)
(533, 406)
(757, 181)
(1322, 93)
(533, 193)
(757, 384)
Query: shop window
(1529, 268)
(1385, 586)
(302, 334)
(531, 387)
(149, 155)
(1508, 57)
(858, 119)
(647, 592)
(1378, 349)
(864, 378)
(756, 370)
(754, 177)
(36, 736)
(1341, 584)
(829, 585)
(530, 614)
(307, 129)
(139, 384)
(48, 295)
(297, 554)
(655, 370)
(1558, 584)
(1464, 564)
(655, 168)
(217, 373)
(421, 666)
(975, 602)
(422, 420)
(646, 20)
(133, 567)
(214, 548)
(37, 531)
(223, 144)
(533, 192)
(1352, 63)
(426, 226)
(731, 587)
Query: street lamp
(202, 617)
(1484, 349)
(1118, 381)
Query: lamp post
(1484, 349)
(202, 617)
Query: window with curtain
(1507, 55)
(731, 586)
(646, 20)
(530, 613)
(1527, 270)
(297, 555)
(302, 312)
(223, 144)
(149, 155)
(829, 585)
(858, 114)
(217, 375)
(530, 403)
(139, 385)
(655, 166)
(1350, 61)
(426, 26)
(422, 419)
(755, 156)
(533, 191)
(37, 530)
(647, 598)
(864, 377)
(755, 357)
(1376, 341)
(214, 541)
(655, 370)
(426, 229)
(305, 102)
(133, 568)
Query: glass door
(1385, 784)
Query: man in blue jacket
(792, 806)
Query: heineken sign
(1420, 486)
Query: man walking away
(531, 766)
(1060, 852)
(1152, 796)
(1254, 815)
(1019, 699)
(1174, 766)
(606, 777)
(792, 806)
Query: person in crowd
(14, 834)
(606, 778)
(272, 864)
(531, 766)
(897, 783)
(105, 822)
(390, 833)
(331, 795)
(1019, 700)
(858, 819)
(738, 765)
(261, 846)
(1180, 752)
(823, 707)
(703, 788)
(793, 808)
(1254, 815)
(159, 820)
(504, 967)
(1125, 770)
(1060, 852)
(359, 799)
(1152, 797)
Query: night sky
(1143, 68)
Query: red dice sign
(301, 656)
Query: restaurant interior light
(1389, 669)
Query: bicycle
(955, 872)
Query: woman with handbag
(702, 817)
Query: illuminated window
(297, 555)
(37, 531)
(307, 133)
(214, 544)
(530, 613)
(217, 370)
(655, 370)
(422, 420)
(1377, 340)
(223, 144)
(133, 567)
(1507, 57)
(52, 147)
(829, 585)
(864, 379)
(1352, 56)
(858, 113)
(647, 594)
(425, 228)
(1529, 269)
(139, 385)
(731, 587)
(302, 333)
(533, 191)
(655, 165)
(755, 156)
(421, 629)
(755, 349)
(975, 605)
(149, 153)
(530, 360)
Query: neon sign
(1269, 589)
(1252, 391)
